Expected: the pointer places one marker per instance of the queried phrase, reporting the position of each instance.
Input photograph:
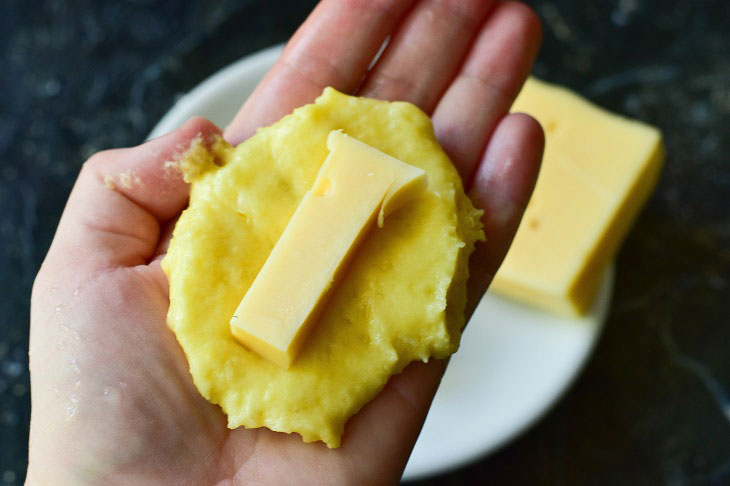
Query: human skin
(113, 401)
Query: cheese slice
(356, 185)
(598, 170)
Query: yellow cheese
(355, 183)
(597, 172)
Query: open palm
(113, 401)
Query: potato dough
(401, 300)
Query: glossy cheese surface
(290, 291)
(402, 297)
(597, 172)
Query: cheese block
(597, 172)
(355, 183)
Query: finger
(113, 214)
(333, 47)
(487, 84)
(426, 51)
(502, 187)
(146, 174)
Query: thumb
(120, 199)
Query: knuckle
(467, 11)
(382, 6)
(95, 161)
(317, 70)
(96, 164)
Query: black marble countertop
(653, 404)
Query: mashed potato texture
(401, 300)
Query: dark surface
(653, 404)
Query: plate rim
(602, 307)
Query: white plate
(514, 361)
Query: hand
(113, 401)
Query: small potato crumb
(199, 157)
(109, 182)
(129, 178)
(126, 180)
